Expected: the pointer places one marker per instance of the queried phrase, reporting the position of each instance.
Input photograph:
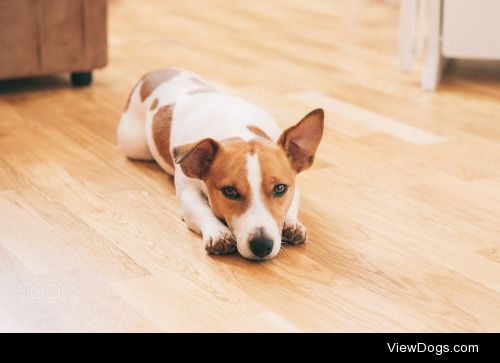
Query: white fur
(195, 117)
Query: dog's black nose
(261, 246)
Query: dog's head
(251, 184)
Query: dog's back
(172, 107)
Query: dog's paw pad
(294, 233)
(221, 243)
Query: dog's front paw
(294, 233)
(220, 243)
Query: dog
(234, 169)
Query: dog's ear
(301, 140)
(195, 159)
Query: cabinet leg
(81, 79)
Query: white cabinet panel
(471, 29)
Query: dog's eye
(280, 189)
(230, 192)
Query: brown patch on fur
(258, 131)
(153, 79)
(162, 123)
(154, 104)
(224, 163)
(232, 138)
(229, 169)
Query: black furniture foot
(81, 79)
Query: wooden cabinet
(39, 37)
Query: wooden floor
(402, 205)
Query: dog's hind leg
(131, 130)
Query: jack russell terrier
(234, 170)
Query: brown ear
(301, 140)
(195, 159)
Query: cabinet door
(50, 36)
(19, 51)
(471, 29)
(62, 37)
